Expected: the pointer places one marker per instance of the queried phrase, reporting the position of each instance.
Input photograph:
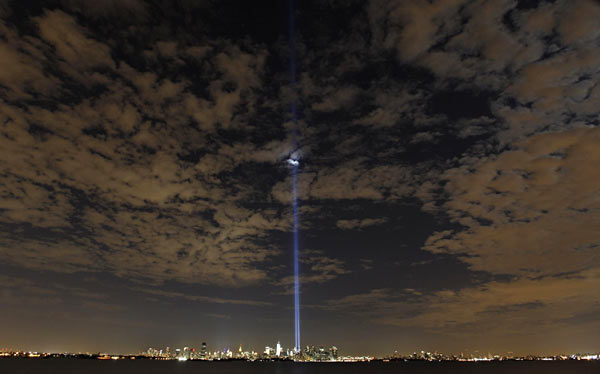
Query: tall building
(278, 349)
(203, 350)
(322, 354)
(333, 353)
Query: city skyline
(376, 175)
(306, 354)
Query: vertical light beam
(295, 165)
(296, 267)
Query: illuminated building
(333, 353)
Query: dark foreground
(75, 366)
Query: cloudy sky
(449, 186)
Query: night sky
(449, 178)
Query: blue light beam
(295, 164)
(296, 265)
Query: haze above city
(447, 175)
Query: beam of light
(296, 265)
(294, 163)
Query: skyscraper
(203, 350)
(333, 353)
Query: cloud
(316, 268)
(525, 195)
(101, 178)
(528, 211)
(362, 300)
(501, 309)
(28, 292)
(218, 316)
(21, 62)
(507, 307)
(351, 180)
(204, 299)
(522, 190)
(350, 224)
(581, 24)
(25, 292)
(103, 307)
(71, 44)
(366, 264)
(157, 155)
(111, 9)
(411, 27)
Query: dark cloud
(349, 224)
(108, 149)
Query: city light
(307, 354)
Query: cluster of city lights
(279, 353)
(437, 356)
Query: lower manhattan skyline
(377, 177)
